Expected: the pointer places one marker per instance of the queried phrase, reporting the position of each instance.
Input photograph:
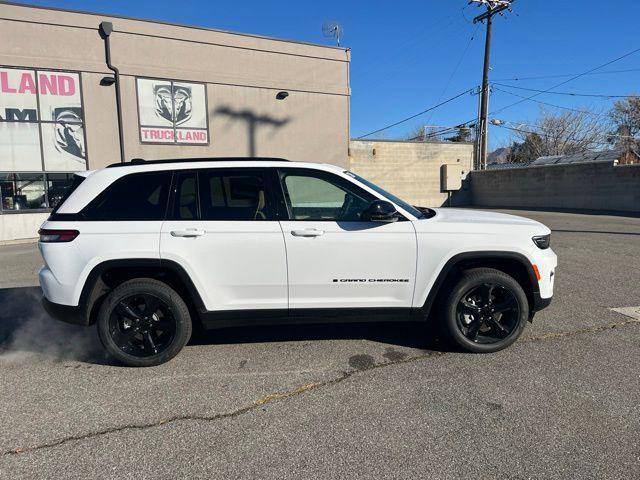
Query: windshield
(404, 205)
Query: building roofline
(172, 24)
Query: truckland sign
(41, 121)
(172, 112)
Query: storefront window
(22, 191)
(57, 186)
(42, 136)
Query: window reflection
(32, 191)
(23, 191)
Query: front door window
(323, 197)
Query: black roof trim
(140, 161)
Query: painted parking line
(632, 312)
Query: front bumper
(65, 313)
(540, 303)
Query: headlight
(542, 241)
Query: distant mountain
(499, 156)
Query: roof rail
(141, 161)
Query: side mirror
(380, 211)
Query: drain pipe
(105, 32)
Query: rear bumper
(65, 313)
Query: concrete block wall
(410, 170)
(588, 186)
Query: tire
(143, 322)
(473, 323)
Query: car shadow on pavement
(27, 332)
(418, 335)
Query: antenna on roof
(333, 29)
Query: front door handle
(188, 233)
(307, 232)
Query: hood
(458, 215)
(477, 221)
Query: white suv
(149, 248)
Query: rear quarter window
(76, 180)
(138, 196)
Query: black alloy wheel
(142, 325)
(143, 322)
(486, 311)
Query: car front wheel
(486, 311)
(143, 322)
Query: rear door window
(185, 205)
(223, 194)
(233, 196)
(138, 196)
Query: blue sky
(405, 53)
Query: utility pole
(494, 7)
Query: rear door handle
(188, 233)
(307, 232)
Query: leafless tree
(565, 133)
(418, 133)
(425, 133)
(625, 116)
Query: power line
(607, 137)
(546, 135)
(586, 112)
(572, 94)
(575, 77)
(469, 91)
(444, 130)
(457, 67)
(542, 77)
(403, 48)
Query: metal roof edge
(172, 24)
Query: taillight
(57, 236)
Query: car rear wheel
(486, 311)
(144, 322)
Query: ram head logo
(173, 103)
(69, 134)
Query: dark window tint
(323, 197)
(61, 186)
(139, 196)
(233, 195)
(186, 203)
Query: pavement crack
(581, 331)
(220, 416)
(271, 397)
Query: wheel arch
(515, 264)
(105, 276)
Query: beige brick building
(410, 170)
(186, 92)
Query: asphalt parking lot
(339, 401)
